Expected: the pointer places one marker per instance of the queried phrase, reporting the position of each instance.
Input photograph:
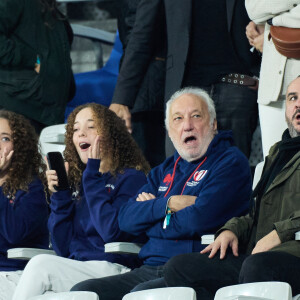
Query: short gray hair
(201, 94)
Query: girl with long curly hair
(23, 196)
(105, 168)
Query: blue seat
(97, 86)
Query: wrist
(169, 206)
(168, 214)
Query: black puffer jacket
(26, 33)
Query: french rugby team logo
(199, 175)
(167, 181)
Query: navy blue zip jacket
(80, 227)
(23, 223)
(222, 184)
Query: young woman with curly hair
(23, 205)
(105, 168)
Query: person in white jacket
(276, 70)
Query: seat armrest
(27, 253)
(174, 293)
(67, 296)
(94, 34)
(122, 247)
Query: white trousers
(57, 274)
(8, 283)
(272, 123)
(272, 116)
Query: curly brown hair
(26, 162)
(117, 145)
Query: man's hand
(268, 242)
(180, 202)
(145, 196)
(258, 43)
(260, 29)
(225, 239)
(122, 112)
(253, 31)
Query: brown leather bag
(286, 40)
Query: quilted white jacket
(273, 68)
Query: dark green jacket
(279, 209)
(24, 36)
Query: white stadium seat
(256, 291)
(52, 138)
(174, 293)
(67, 296)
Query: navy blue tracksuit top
(222, 185)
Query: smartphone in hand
(56, 162)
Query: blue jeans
(237, 110)
(115, 287)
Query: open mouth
(296, 115)
(189, 139)
(84, 146)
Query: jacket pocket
(23, 84)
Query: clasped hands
(176, 203)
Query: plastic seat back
(67, 296)
(52, 138)
(176, 293)
(257, 174)
(256, 291)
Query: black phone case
(56, 162)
